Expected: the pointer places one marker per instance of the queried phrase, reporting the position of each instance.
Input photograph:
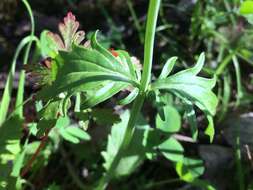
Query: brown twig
(35, 155)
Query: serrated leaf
(93, 71)
(134, 154)
(68, 29)
(168, 120)
(172, 149)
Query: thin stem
(37, 152)
(149, 43)
(9, 83)
(137, 105)
(238, 80)
(20, 93)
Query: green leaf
(74, 134)
(191, 117)
(246, 7)
(104, 116)
(6, 97)
(210, 128)
(168, 120)
(93, 71)
(134, 155)
(196, 89)
(191, 88)
(168, 67)
(9, 149)
(130, 97)
(172, 150)
(48, 46)
(71, 133)
(189, 169)
(48, 117)
(68, 29)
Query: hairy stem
(145, 80)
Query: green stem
(238, 80)
(145, 80)
(20, 93)
(149, 42)
(9, 83)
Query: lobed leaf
(168, 120)
(172, 150)
(189, 87)
(94, 72)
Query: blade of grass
(9, 83)
(20, 93)
(238, 80)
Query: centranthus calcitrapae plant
(84, 73)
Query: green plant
(90, 74)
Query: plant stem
(238, 81)
(37, 152)
(20, 93)
(149, 43)
(145, 80)
(9, 83)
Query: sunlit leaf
(134, 154)
(167, 68)
(168, 120)
(93, 71)
(189, 169)
(197, 90)
(172, 149)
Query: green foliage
(246, 7)
(93, 74)
(91, 71)
(134, 155)
(172, 150)
(9, 150)
(71, 133)
(189, 87)
(168, 120)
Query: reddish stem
(35, 155)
